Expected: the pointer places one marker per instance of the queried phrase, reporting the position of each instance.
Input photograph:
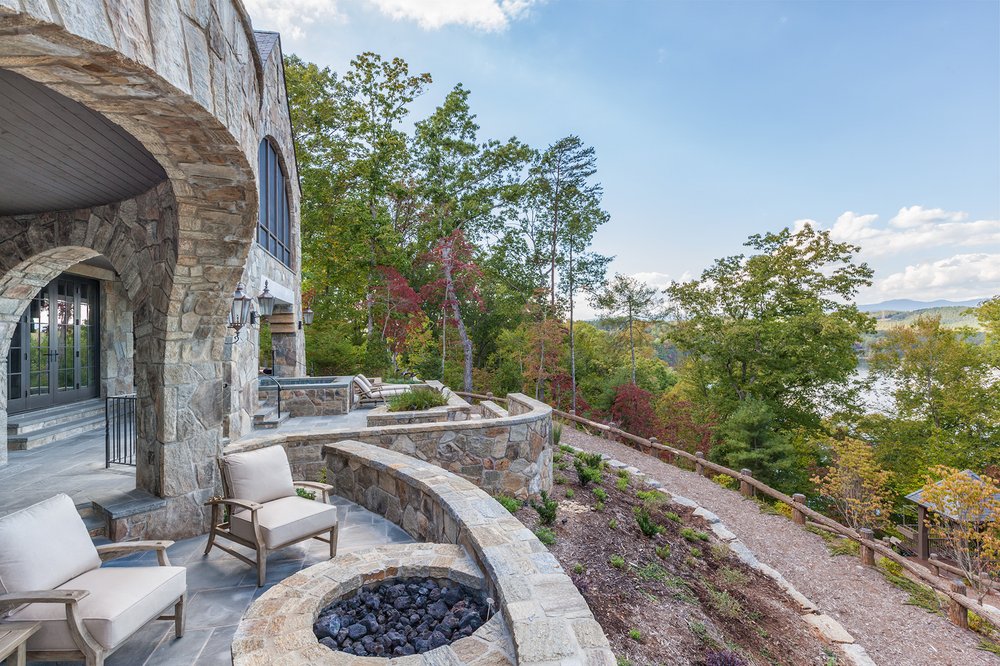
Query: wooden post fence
(745, 486)
(798, 517)
(867, 554)
(699, 465)
(958, 613)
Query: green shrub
(663, 552)
(635, 634)
(725, 604)
(623, 474)
(651, 497)
(578, 568)
(308, 494)
(560, 480)
(547, 509)
(733, 577)
(617, 561)
(509, 503)
(889, 566)
(646, 524)
(556, 432)
(720, 551)
(416, 400)
(783, 510)
(696, 552)
(653, 571)
(545, 535)
(570, 493)
(726, 481)
(567, 449)
(621, 483)
(587, 473)
(612, 524)
(670, 515)
(598, 506)
(600, 494)
(693, 534)
(845, 546)
(595, 460)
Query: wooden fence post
(933, 565)
(957, 613)
(798, 517)
(699, 468)
(867, 553)
(745, 486)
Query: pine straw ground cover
(664, 589)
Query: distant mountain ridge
(908, 305)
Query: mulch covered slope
(677, 597)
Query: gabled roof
(266, 42)
(917, 497)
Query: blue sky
(714, 120)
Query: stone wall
(319, 401)
(549, 620)
(457, 409)
(186, 80)
(511, 455)
(117, 340)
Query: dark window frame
(274, 231)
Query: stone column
(3, 410)
(286, 358)
(117, 340)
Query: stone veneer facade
(510, 455)
(186, 79)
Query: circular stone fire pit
(401, 617)
(293, 622)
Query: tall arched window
(274, 230)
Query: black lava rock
(357, 630)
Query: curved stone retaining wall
(548, 619)
(510, 455)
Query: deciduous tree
(855, 484)
(630, 301)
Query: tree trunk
(572, 336)
(631, 342)
(539, 384)
(463, 335)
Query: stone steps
(267, 418)
(48, 434)
(96, 525)
(21, 424)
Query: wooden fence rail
(959, 602)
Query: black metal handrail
(119, 430)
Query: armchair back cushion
(260, 475)
(364, 384)
(43, 546)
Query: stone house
(147, 168)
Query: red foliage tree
(400, 313)
(682, 428)
(632, 410)
(453, 260)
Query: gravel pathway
(873, 610)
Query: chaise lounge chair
(50, 573)
(375, 392)
(265, 513)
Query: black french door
(55, 352)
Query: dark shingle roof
(265, 42)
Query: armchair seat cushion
(121, 601)
(286, 520)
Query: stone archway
(184, 81)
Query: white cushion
(261, 475)
(121, 601)
(363, 382)
(43, 546)
(286, 521)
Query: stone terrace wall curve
(510, 455)
(549, 619)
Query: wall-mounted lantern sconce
(239, 312)
(265, 301)
(307, 316)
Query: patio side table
(13, 639)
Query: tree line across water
(430, 249)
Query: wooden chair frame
(221, 525)
(89, 649)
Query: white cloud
(290, 17)
(959, 277)
(489, 15)
(293, 17)
(655, 279)
(913, 228)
